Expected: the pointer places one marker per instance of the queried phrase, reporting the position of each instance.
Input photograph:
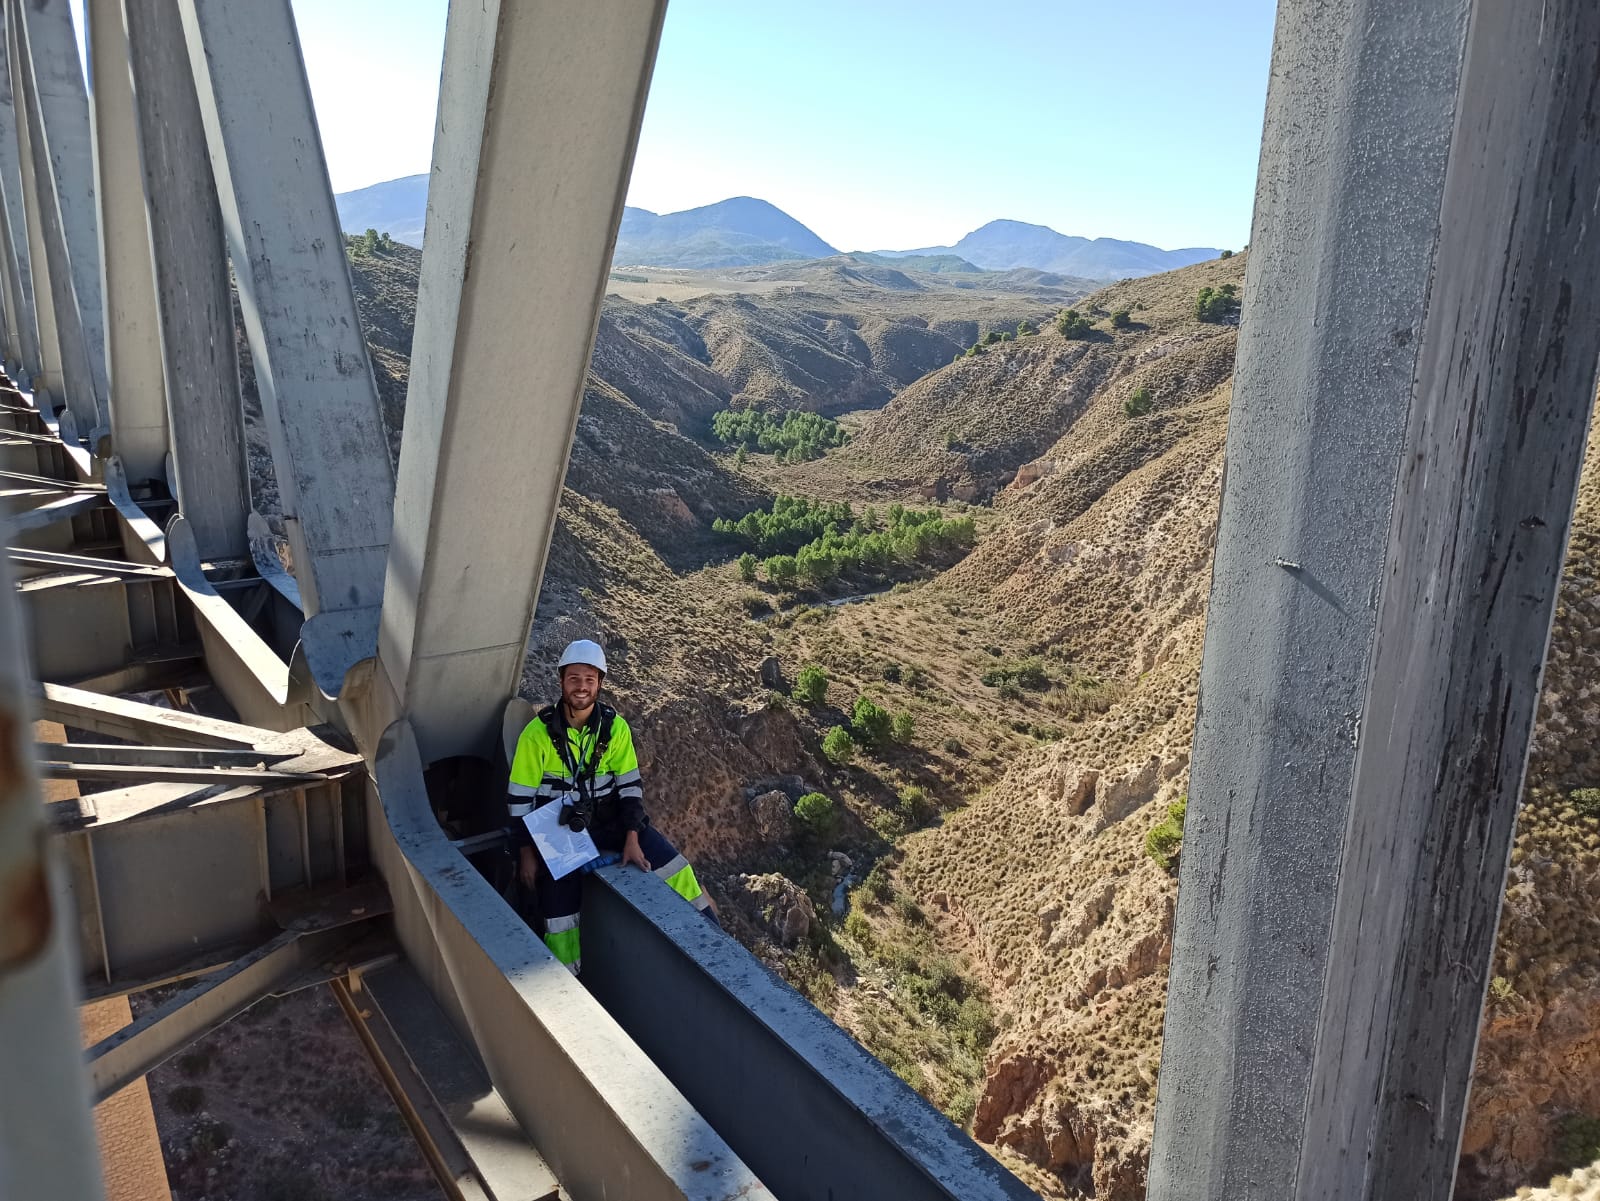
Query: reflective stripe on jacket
(539, 775)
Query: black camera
(578, 815)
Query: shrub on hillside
(816, 815)
(1227, 254)
(1138, 403)
(811, 685)
(1165, 841)
(838, 746)
(1121, 319)
(877, 884)
(1025, 673)
(870, 723)
(1586, 801)
(857, 927)
(1073, 324)
(1217, 305)
(781, 570)
(186, 1099)
(914, 805)
(195, 1063)
(905, 727)
(747, 567)
(991, 338)
(1577, 1140)
(1025, 328)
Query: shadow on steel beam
(796, 1098)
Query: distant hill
(937, 264)
(746, 232)
(396, 207)
(1003, 245)
(740, 232)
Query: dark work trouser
(559, 900)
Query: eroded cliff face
(1045, 883)
(1537, 1082)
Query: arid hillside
(944, 795)
(643, 491)
(1097, 561)
(833, 340)
(970, 428)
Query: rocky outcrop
(1032, 473)
(772, 814)
(1536, 1062)
(779, 905)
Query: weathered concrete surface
(56, 104)
(195, 310)
(136, 390)
(1505, 388)
(49, 392)
(539, 113)
(14, 232)
(795, 1096)
(1403, 456)
(1359, 114)
(48, 1147)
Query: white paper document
(564, 851)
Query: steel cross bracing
(269, 826)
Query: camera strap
(600, 721)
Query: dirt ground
(282, 1104)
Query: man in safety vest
(579, 753)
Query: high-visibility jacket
(540, 774)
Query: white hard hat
(583, 651)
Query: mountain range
(746, 232)
(1003, 245)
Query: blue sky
(881, 123)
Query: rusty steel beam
(47, 1146)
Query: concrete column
(136, 389)
(317, 391)
(1359, 114)
(195, 309)
(14, 224)
(49, 390)
(57, 111)
(1487, 486)
(1374, 644)
(19, 316)
(47, 1144)
(539, 114)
